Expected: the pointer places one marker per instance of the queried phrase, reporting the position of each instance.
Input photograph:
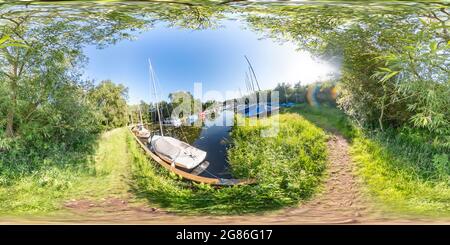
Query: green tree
(146, 111)
(46, 55)
(285, 92)
(183, 103)
(394, 61)
(111, 101)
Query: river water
(213, 136)
(214, 139)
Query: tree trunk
(13, 96)
(10, 124)
(11, 109)
(380, 119)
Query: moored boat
(140, 131)
(177, 152)
(171, 150)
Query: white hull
(176, 152)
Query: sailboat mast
(248, 83)
(253, 72)
(131, 116)
(140, 114)
(152, 74)
(251, 79)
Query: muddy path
(341, 201)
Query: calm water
(214, 139)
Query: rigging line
(166, 105)
(253, 72)
(215, 176)
(247, 82)
(251, 79)
(152, 74)
(140, 114)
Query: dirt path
(340, 202)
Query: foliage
(184, 104)
(403, 176)
(110, 101)
(394, 79)
(44, 106)
(394, 84)
(289, 164)
(326, 117)
(144, 110)
(394, 60)
(322, 92)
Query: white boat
(176, 152)
(176, 122)
(141, 131)
(171, 150)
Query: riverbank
(340, 202)
(292, 176)
(402, 177)
(123, 186)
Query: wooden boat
(170, 152)
(191, 176)
(140, 131)
(176, 122)
(176, 152)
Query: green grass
(325, 117)
(405, 172)
(403, 179)
(45, 190)
(401, 173)
(288, 168)
(120, 167)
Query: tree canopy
(394, 58)
(111, 101)
(394, 61)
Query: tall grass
(289, 165)
(45, 190)
(288, 168)
(404, 170)
(404, 177)
(326, 117)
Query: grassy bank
(45, 190)
(403, 171)
(288, 167)
(119, 166)
(325, 117)
(404, 177)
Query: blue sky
(214, 57)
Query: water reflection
(214, 139)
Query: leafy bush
(289, 164)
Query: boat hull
(176, 152)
